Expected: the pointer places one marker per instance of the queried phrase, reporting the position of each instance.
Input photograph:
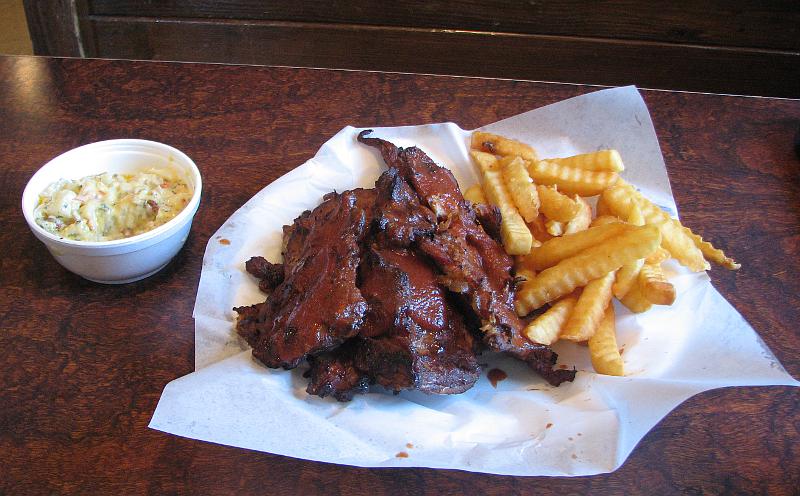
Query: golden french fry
(654, 285)
(592, 263)
(626, 278)
(525, 274)
(582, 220)
(474, 194)
(681, 247)
(484, 161)
(711, 252)
(554, 227)
(603, 349)
(555, 205)
(517, 239)
(499, 145)
(523, 262)
(602, 220)
(539, 229)
(635, 215)
(601, 160)
(520, 187)
(495, 190)
(658, 257)
(571, 180)
(545, 328)
(522, 268)
(620, 199)
(555, 250)
(629, 273)
(602, 209)
(589, 308)
(635, 301)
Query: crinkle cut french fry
(545, 328)
(592, 263)
(681, 247)
(517, 239)
(475, 195)
(571, 180)
(620, 199)
(603, 349)
(522, 268)
(539, 229)
(484, 161)
(659, 256)
(555, 250)
(495, 190)
(601, 160)
(589, 309)
(602, 220)
(555, 205)
(602, 209)
(520, 187)
(582, 220)
(522, 264)
(654, 285)
(626, 278)
(525, 274)
(499, 145)
(635, 301)
(554, 228)
(711, 252)
(629, 273)
(635, 215)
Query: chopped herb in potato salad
(107, 206)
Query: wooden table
(84, 364)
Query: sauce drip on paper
(495, 376)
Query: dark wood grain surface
(83, 364)
(718, 22)
(748, 47)
(459, 52)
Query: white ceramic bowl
(122, 260)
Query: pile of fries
(570, 262)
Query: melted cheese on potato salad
(107, 206)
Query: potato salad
(109, 206)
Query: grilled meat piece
(247, 325)
(297, 235)
(412, 336)
(400, 220)
(473, 263)
(268, 273)
(334, 373)
(363, 295)
(317, 306)
(490, 218)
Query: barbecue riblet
(473, 263)
(334, 373)
(318, 305)
(411, 337)
(423, 338)
(400, 219)
(268, 273)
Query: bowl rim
(185, 215)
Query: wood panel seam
(407, 29)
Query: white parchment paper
(521, 427)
